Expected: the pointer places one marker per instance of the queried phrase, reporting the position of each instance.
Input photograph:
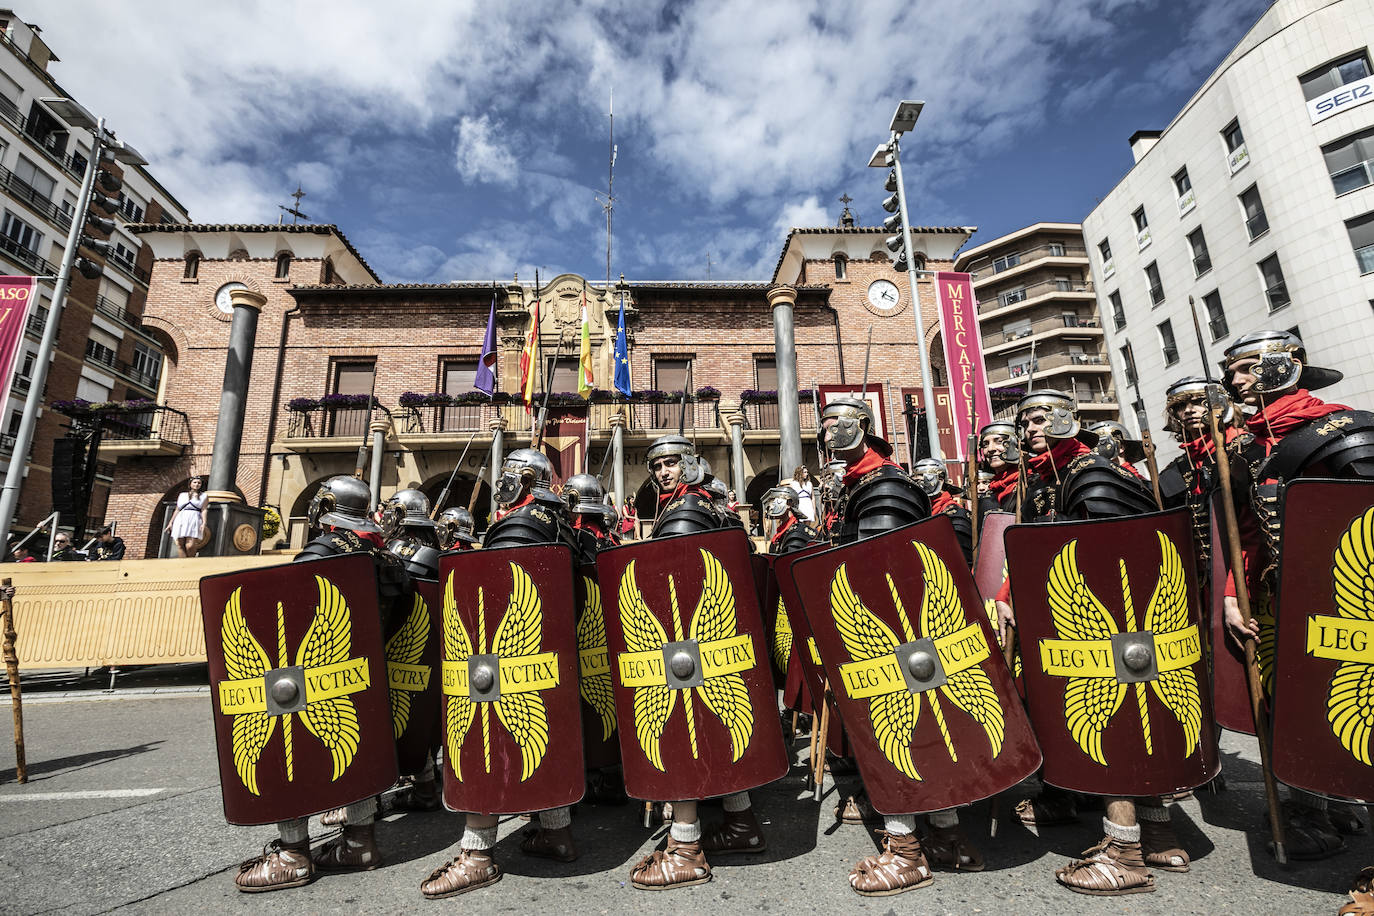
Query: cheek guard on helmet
(1276, 372)
(844, 434)
(512, 483)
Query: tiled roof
(310, 228)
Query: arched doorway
(159, 543)
(763, 482)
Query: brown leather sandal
(1309, 834)
(1161, 848)
(949, 848)
(334, 817)
(739, 833)
(418, 796)
(1109, 869)
(354, 849)
(899, 868)
(280, 866)
(1051, 808)
(549, 843)
(678, 865)
(471, 870)
(854, 810)
(1361, 895)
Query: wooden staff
(360, 466)
(1215, 406)
(971, 471)
(1148, 442)
(21, 770)
(818, 765)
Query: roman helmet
(525, 469)
(455, 525)
(930, 475)
(1187, 389)
(778, 501)
(1282, 363)
(407, 508)
(1063, 416)
(584, 495)
(854, 423)
(1113, 441)
(720, 493)
(342, 501)
(1011, 451)
(693, 471)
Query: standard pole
(618, 469)
(498, 455)
(23, 439)
(927, 390)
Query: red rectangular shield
(512, 713)
(991, 571)
(298, 688)
(600, 744)
(1120, 700)
(927, 701)
(1230, 692)
(694, 697)
(412, 665)
(801, 645)
(1324, 680)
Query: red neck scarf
(586, 523)
(1048, 464)
(782, 529)
(502, 513)
(870, 461)
(941, 502)
(371, 537)
(1003, 484)
(1279, 418)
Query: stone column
(618, 450)
(783, 299)
(233, 396)
(498, 454)
(379, 430)
(736, 420)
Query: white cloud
(481, 155)
(807, 213)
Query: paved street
(122, 813)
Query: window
(1012, 296)
(1202, 262)
(327, 272)
(1108, 266)
(841, 266)
(99, 351)
(1166, 342)
(1256, 223)
(1056, 249)
(21, 232)
(1348, 69)
(1020, 365)
(147, 363)
(1216, 317)
(1152, 279)
(1015, 330)
(131, 209)
(1142, 229)
(1005, 262)
(564, 376)
(1361, 230)
(352, 378)
(283, 265)
(1349, 161)
(192, 267)
(1062, 284)
(457, 376)
(1118, 311)
(91, 391)
(766, 379)
(36, 183)
(1236, 154)
(1275, 290)
(1187, 198)
(670, 374)
(123, 253)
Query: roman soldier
(529, 513)
(932, 477)
(685, 506)
(340, 508)
(791, 531)
(1115, 444)
(586, 499)
(1292, 435)
(999, 455)
(1069, 480)
(879, 496)
(454, 529)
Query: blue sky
(467, 141)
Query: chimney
(1142, 141)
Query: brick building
(330, 328)
(103, 351)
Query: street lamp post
(888, 155)
(102, 143)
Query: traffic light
(110, 205)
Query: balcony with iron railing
(1030, 257)
(1014, 300)
(1055, 325)
(31, 259)
(120, 313)
(1057, 363)
(126, 266)
(158, 430)
(130, 373)
(34, 199)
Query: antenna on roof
(609, 203)
(295, 211)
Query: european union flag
(622, 355)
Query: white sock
(736, 803)
(478, 838)
(294, 832)
(555, 818)
(900, 823)
(1121, 834)
(360, 813)
(686, 833)
(944, 820)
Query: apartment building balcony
(1053, 366)
(1053, 327)
(1021, 263)
(159, 430)
(103, 358)
(24, 193)
(36, 263)
(1014, 301)
(120, 313)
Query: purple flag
(486, 378)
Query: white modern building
(1257, 200)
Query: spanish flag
(529, 359)
(585, 382)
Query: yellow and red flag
(529, 359)
(585, 382)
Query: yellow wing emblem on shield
(245, 659)
(334, 721)
(714, 619)
(518, 635)
(782, 637)
(407, 647)
(595, 681)
(1167, 612)
(457, 649)
(1350, 697)
(654, 703)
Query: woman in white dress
(188, 522)
(806, 493)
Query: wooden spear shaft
(21, 770)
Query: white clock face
(884, 295)
(222, 300)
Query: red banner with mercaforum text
(16, 296)
(968, 378)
